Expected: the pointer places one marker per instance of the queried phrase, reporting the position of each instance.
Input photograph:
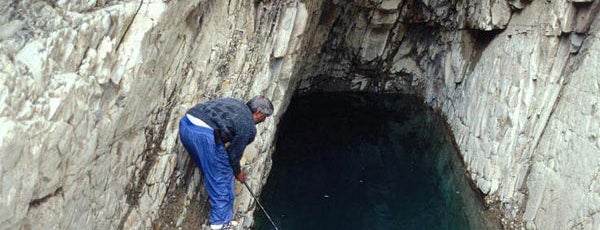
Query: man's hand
(240, 177)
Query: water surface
(347, 161)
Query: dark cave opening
(367, 161)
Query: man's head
(261, 108)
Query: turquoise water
(347, 161)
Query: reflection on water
(347, 161)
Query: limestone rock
(506, 88)
(91, 93)
(487, 15)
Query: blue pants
(213, 162)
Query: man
(204, 130)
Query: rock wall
(515, 80)
(91, 93)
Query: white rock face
(565, 169)
(91, 93)
(521, 101)
(524, 135)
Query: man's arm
(235, 150)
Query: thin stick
(260, 205)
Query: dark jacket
(232, 121)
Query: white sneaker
(232, 224)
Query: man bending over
(204, 130)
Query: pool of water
(347, 161)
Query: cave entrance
(367, 161)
